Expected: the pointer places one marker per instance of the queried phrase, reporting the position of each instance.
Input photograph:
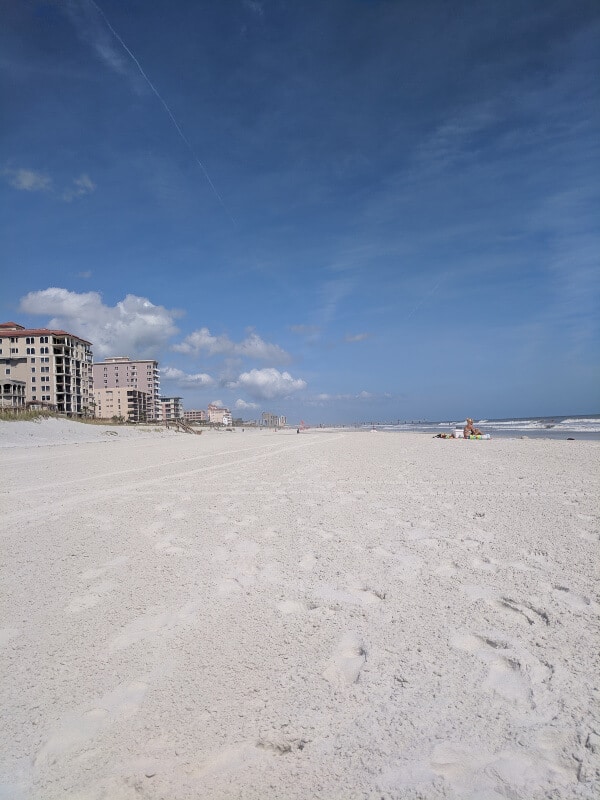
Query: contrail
(184, 138)
(422, 300)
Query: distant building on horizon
(269, 420)
(195, 415)
(121, 371)
(219, 415)
(54, 365)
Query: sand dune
(272, 615)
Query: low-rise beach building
(54, 365)
(171, 408)
(125, 403)
(195, 415)
(12, 395)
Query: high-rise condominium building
(121, 371)
(56, 367)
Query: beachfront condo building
(218, 415)
(124, 403)
(269, 420)
(56, 367)
(171, 408)
(122, 371)
(195, 415)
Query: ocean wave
(578, 420)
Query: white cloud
(86, 273)
(28, 180)
(357, 337)
(243, 405)
(81, 186)
(326, 398)
(185, 378)
(252, 346)
(266, 384)
(133, 327)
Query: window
(33, 369)
(44, 339)
(8, 370)
(33, 379)
(14, 349)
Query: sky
(334, 210)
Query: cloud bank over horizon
(138, 328)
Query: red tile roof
(20, 331)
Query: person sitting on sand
(469, 430)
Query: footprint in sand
(230, 585)
(513, 673)
(165, 545)
(577, 602)
(96, 592)
(151, 625)
(346, 663)
(529, 611)
(91, 598)
(78, 727)
(292, 607)
(366, 595)
(94, 574)
(236, 757)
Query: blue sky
(337, 210)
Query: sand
(266, 615)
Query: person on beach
(469, 430)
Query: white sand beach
(274, 616)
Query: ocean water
(576, 427)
